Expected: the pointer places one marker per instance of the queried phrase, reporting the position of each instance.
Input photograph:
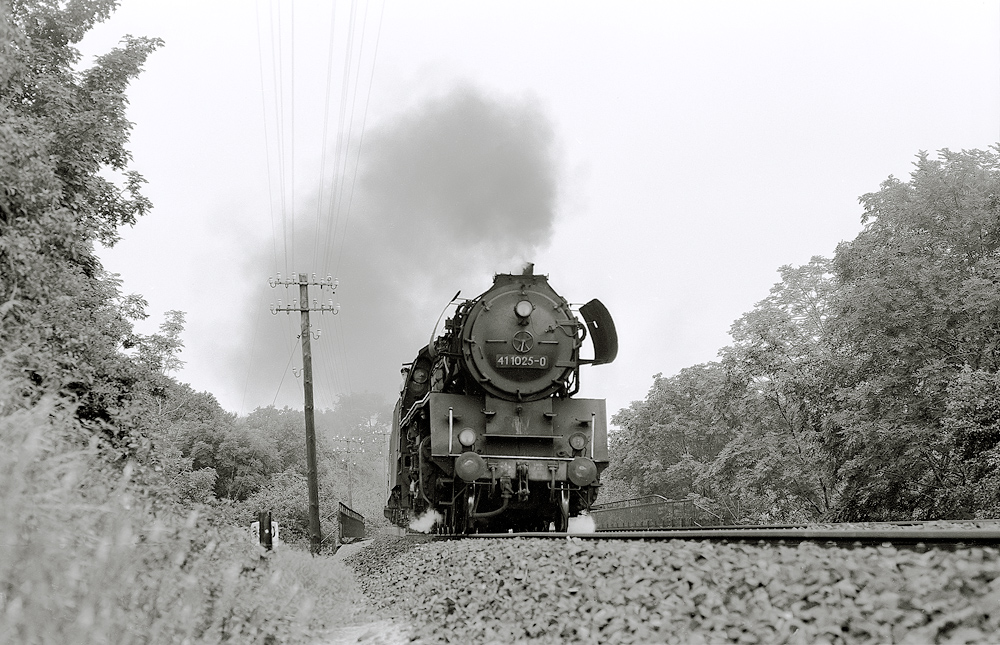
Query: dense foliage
(864, 386)
(124, 494)
(62, 134)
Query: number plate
(522, 361)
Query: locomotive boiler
(487, 433)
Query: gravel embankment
(583, 591)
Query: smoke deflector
(602, 332)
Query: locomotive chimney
(529, 268)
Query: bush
(86, 558)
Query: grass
(86, 557)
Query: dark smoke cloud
(449, 192)
(466, 170)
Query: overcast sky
(664, 157)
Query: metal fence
(653, 512)
(352, 523)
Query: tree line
(125, 496)
(863, 387)
(66, 328)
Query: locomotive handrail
(420, 460)
(431, 350)
(413, 410)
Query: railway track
(698, 585)
(908, 534)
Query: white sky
(702, 146)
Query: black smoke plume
(447, 193)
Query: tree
(62, 133)
(358, 414)
(779, 370)
(287, 428)
(918, 312)
(861, 388)
(160, 351)
(667, 441)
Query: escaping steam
(581, 524)
(425, 523)
(447, 193)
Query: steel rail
(936, 536)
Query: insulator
(295, 303)
(273, 310)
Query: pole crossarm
(332, 308)
(303, 281)
(303, 278)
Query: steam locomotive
(487, 435)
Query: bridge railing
(352, 523)
(653, 512)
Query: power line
(267, 148)
(361, 138)
(279, 85)
(326, 122)
(253, 347)
(283, 374)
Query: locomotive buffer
(302, 306)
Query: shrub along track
(606, 589)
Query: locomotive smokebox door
(521, 340)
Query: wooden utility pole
(302, 306)
(350, 484)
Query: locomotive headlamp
(581, 471)
(467, 437)
(578, 441)
(523, 308)
(470, 466)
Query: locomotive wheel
(465, 520)
(562, 519)
(460, 520)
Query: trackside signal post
(302, 306)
